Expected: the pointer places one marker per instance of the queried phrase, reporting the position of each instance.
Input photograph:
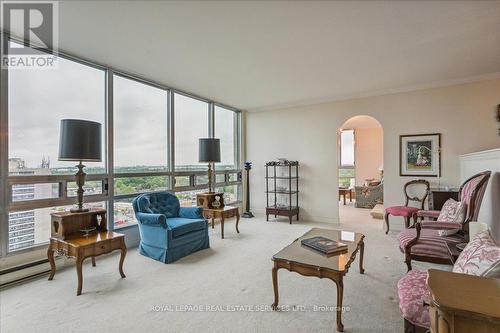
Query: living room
(178, 164)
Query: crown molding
(382, 92)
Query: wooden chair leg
(408, 262)
(415, 218)
(408, 327)
(386, 218)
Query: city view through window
(39, 99)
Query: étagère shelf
(282, 189)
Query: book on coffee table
(324, 245)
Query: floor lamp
(248, 213)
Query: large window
(347, 148)
(140, 143)
(140, 126)
(38, 100)
(191, 123)
(151, 126)
(225, 129)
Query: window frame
(236, 133)
(109, 176)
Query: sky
(40, 98)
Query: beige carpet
(234, 274)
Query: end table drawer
(97, 249)
(230, 213)
(209, 214)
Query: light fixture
(209, 152)
(80, 140)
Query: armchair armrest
(152, 219)
(191, 212)
(440, 225)
(429, 213)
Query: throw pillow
(480, 257)
(453, 211)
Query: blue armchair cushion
(191, 212)
(181, 226)
(159, 203)
(152, 219)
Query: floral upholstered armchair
(481, 257)
(369, 196)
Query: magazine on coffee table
(324, 245)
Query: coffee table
(305, 261)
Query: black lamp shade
(80, 140)
(209, 150)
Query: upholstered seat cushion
(429, 244)
(181, 226)
(401, 211)
(412, 293)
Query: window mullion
(110, 148)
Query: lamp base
(247, 215)
(79, 210)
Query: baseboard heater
(18, 274)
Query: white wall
(369, 153)
(471, 164)
(464, 114)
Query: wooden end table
(82, 247)
(463, 303)
(343, 191)
(305, 261)
(222, 214)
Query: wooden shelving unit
(282, 189)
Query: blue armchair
(168, 231)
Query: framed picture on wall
(420, 155)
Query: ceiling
(264, 55)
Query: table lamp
(209, 152)
(80, 140)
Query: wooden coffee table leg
(340, 295)
(222, 227)
(361, 255)
(79, 261)
(213, 223)
(237, 221)
(274, 306)
(123, 249)
(93, 261)
(50, 256)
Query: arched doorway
(360, 162)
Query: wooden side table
(343, 191)
(462, 303)
(82, 247)
(222, 214)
